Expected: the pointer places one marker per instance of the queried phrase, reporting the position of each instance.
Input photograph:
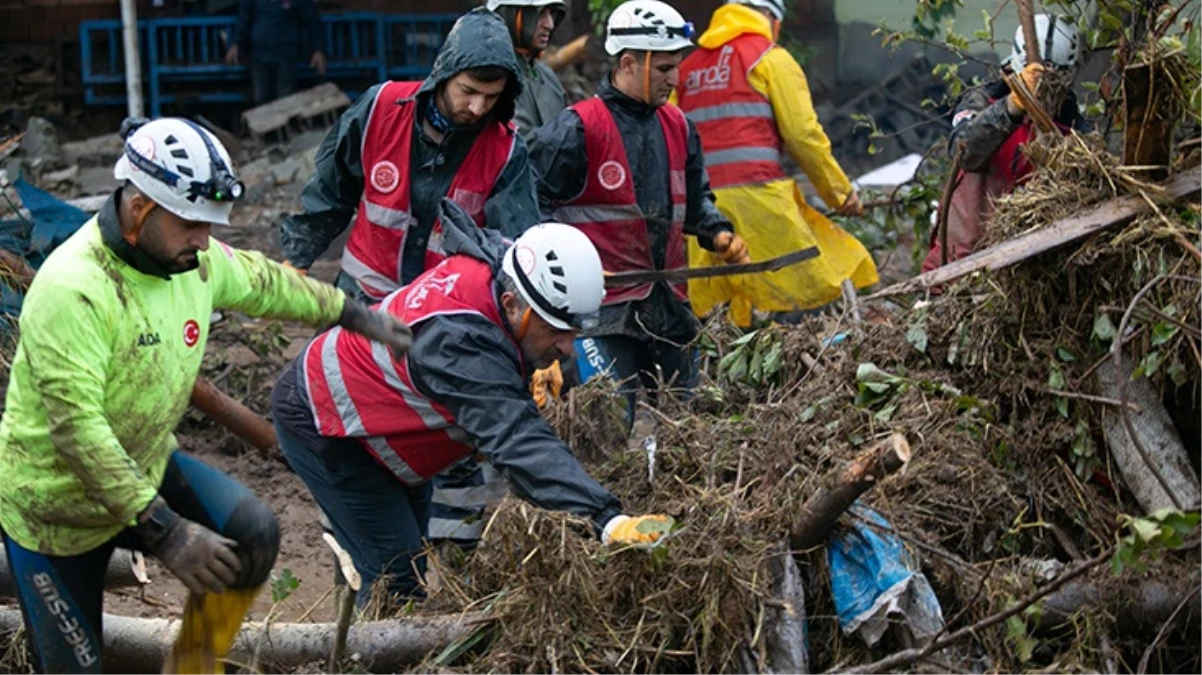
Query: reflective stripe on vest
(607, 209)
(358, 390)
(736, 123)
(374, 254)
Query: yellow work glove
(546, 384)
(732, 248)
(302, 272)
(637, 530)
(851, 206)
(210, 625)
(1031, 76)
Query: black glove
(379, 326)
(202, 559)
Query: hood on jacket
(478, 39)
(731, 21)
(462, 236)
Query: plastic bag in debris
(877, 584)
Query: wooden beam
(1108, 214)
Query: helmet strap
(139, 220)
(647, 77)
(525, 324)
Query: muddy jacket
(542, 97)
(333, 193)
(992, 164)
(558, 154)
(109, 349)
(463, 388)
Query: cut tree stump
(133, 645)
(1105, 215)
(841, 488)
(1157, 435)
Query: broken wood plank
(841, 488)
(1108, 214)
(307, 104)
(1157, 434)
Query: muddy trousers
(62, 597)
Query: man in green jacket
(112, 334)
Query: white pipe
(133, 59)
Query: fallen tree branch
(1108, 214)
(1147, 656)
(135, 645)
(841, 488)
(120, 572)
(909, 656)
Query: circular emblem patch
(385, 176)
(525, 259)
(612, 175)
(191, 333)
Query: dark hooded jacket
(558, 155)
(331, 196)
(471, 365)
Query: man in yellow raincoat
(749, 99)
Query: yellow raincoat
(773, 217)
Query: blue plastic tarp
(876, 583)
(50, 223)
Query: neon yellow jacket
(773, 217)
(102, 375)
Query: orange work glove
(302, 272)
(732, 248)
(1031, 76)
(637, 530)
(546, 384)
(851, 206)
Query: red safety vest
(972, 202)
(374, 251)
(736, 124)
(358, 390)
(607, 210)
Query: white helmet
(775, 7)
(181, 167)
(1057, 37)
(558, 273)
(646, 25)
(494, 4)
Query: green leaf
(745, 338)
(1145, 529)
(1065, 355)
(917, 336)
(885, 414)
(1162, 332)
(773, 360)
(1148, 366)
(1056, 379)
(808, 414)
(1062, 406)
(1103, 329)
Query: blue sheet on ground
(876, 583)
(50, 223)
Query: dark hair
(488, 73)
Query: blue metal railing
(183, 58)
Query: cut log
(841, 489)
(232, 415)
(785, 621)
(133, 645)
(120, 573)
(1140, 608)
(1157, 435)
(1103, 216)
(569, 54)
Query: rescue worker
(367, 431)
(402, 147)
(989, 122)
(626, 168)
(112, 333)
(750, 100)
(531, 23)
